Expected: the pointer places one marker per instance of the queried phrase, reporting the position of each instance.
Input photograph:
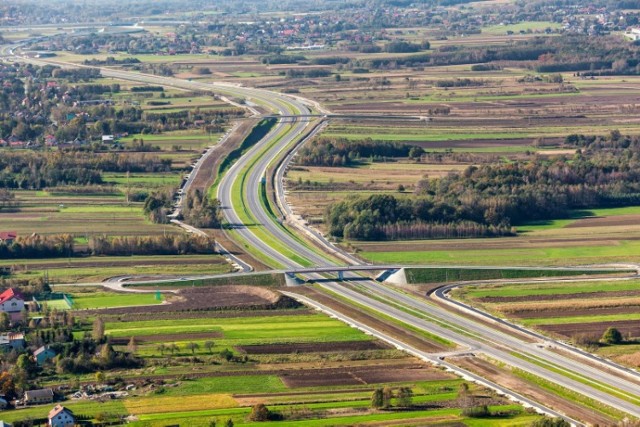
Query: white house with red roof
(12, 302)
(8, 236)
(60, 416)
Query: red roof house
(8, 236)
(11, 301)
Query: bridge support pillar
(292, 280)
(397, 277)
(341, 275)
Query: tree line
(327, 151)
(57, 246)
(200, 210)
(387, 217)
(488, 200)
(37, 170)
(37, 246)
(172, 244)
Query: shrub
(481, 411)
(259, 412)
(612, 336)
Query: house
(3, 424)
(12, 341)
(106, 139)
(43, 354)
(60, 416)
(633, 34)
(36, 397)
(12, 302)
(50, 140)
(8, 236)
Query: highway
(614, 386)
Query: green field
(550, 288)
(435, 275)
(412, 418)
(97, 269)
(523, 26)
(105, 300)
(626, 250)
(241, 330)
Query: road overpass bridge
(349, 117)
(292, 275)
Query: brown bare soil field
(212, 298)
(474, 143)
(363, 375)
(502, 243)
(583, 295)
(313, 347)
(121, 263)
(606, 221)
(507, 379)
(444, 421)
(294, 393)
(221, 237)
(206, 174)
(573, 306)
(384, 327)
(627, 327)
(568, 311)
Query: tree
(132, 346)
(98, 329)
(550, 422)
(5, 322)
(7, 386)
(161, 348)
(226, 354)
(612, 336)
(208, 345)
(259, 412)
(173, 347)
(387, 395)
(25, 365)
(228, 423)
(193, 346)
(481, 411)
(212, 423)
(107, 355)
(465, 399)
(100, 377)
(377, 399)
(405, 397)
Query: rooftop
(8, 294)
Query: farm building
(12, 341)
(8, 236)
(12, 302)
(60, 416)
(43, 354)
(35, 397)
